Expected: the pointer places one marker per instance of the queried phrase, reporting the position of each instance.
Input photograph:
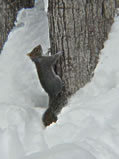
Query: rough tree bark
(117, 3)
(79, 28)
(8, 12)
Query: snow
(87, 127)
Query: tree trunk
(8, 12)
(79, 28)
(117, 3)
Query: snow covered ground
(87, 128)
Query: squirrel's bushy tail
(56, 104)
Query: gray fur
(51, 82)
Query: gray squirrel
(51, 82)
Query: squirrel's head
(36, 52)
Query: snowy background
(88, 127)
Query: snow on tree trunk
(79, 28)
(8, 12)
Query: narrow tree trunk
(79, 28)
(8, 12)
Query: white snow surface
(88, 127)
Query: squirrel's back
(51, 82)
